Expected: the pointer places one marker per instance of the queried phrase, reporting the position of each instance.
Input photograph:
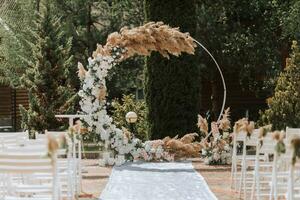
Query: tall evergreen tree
(172, 86)
(90, 22)
(16, 19)
(46, 78)
(245, 49)
(284, 106)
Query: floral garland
(93, 104)
(120, 46)
(216, 149)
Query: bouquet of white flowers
(217, 151)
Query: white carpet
(156, 181)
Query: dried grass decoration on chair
(120, 46)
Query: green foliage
(46, 78)
(172, 86)
(15, 52)
(284, 106)
(289, 12)
(280, 148)
(243, 45)
(90, 22)
(128, 103)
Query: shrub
(128, 103)
(284, 106)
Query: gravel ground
(217, 177)
(94, 178)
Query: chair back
(13, 138)
(17, 165)
(292, 133)
(267, 145)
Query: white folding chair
(13, 138)
(282, 171)
(76, 154)
(67, 165)
(16, 167)
(293, 172)
(246, 162)
(293, 188)
(236, 159)
(263, 168)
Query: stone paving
(217, 177)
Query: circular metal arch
(222, 78)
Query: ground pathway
(217, 177)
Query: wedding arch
(121, 46)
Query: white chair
(285, 178)
(263, 167)
(287, 185)
(67, 164)
(283, 172)
(291, 133)
(76, 152)
(247, 161)
(293, 188)
(238, 138)
(16, 168)
(13, 138)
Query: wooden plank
(5, 102)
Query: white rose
(216, 156)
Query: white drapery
(156, 181)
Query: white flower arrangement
(98, 121)
(216, 148)
(97, 118)
(217, 152)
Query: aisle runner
(156, 181)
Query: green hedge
(172, 86)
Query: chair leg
(232, 175)
(271, 191)
(241, 182)
(242, 178)
(244, 183)
(291, 183)
(253, 188)
(257, 187)
(235, 178)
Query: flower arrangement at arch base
(216, 148)
(167, 149)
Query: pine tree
(16, 19)
(284, 106)
(90, 22)
(46, 78)
(172, 86)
